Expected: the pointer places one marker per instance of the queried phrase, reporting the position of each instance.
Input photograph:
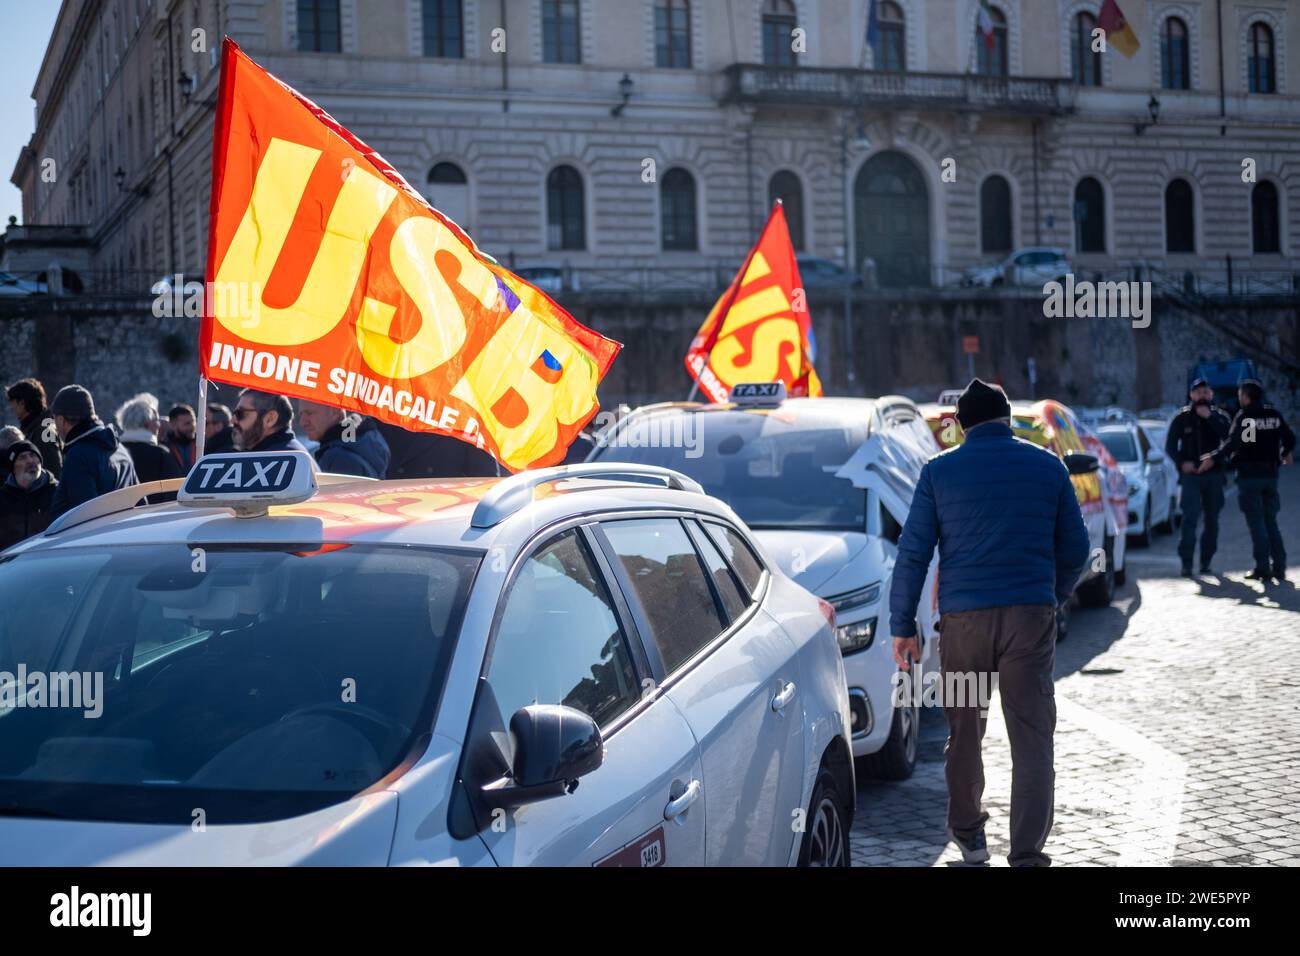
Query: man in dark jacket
(263, 421)
(218, 434)
(430, 455)
(94, 461)
(180, 440)
(139, 424)
(1194, 434)
(1259, 442)
(1012, 544)
(349, 444)
(27, 399)
(27, 495)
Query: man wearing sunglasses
(264, 422)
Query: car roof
(429, 512)
(860, 409)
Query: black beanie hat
(981, 402)
(17, 448)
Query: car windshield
(1121, 445)
(140, 682)
(775, 468)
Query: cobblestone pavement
(1178, 726)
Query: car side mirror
(1155, 456)
(554, 746)
(1077, 463)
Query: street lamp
(625, 90)
(1153, 109)
(119, 177)
(186, 83)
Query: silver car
(589, 666)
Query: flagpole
(200, 434)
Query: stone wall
(906, 344)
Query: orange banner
(331, 279)
(759, 331)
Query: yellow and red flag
(759, 331)
(331, 279)
(1118, 33)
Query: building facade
(616, 139)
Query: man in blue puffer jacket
(1012, 544)
(94, 461)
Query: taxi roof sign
(949, 396)
(249, 482)
(758, 393)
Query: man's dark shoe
(973, 850)
(1186, 571)
(1259, 574)
(1205, 569)
(1279, 574)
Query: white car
(1031, 267)
(1143, 464)
(1158, 430)
(825, 484)
(593, 665)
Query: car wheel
(1099, 591)
(897, 758)
(1143, 540)
(826, 836)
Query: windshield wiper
(14, 810)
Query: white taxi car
(591, 665)
(825, 484)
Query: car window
(1143, 444)
(738, 555)
(559, 641)
(728, 589)
(666, 574)
(1120, 444)
(890, 529)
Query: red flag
(759, 331)
(332, 280)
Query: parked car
(1143, 464)
(1054, 426)
(1157, 430)
(818, 273)
(583, 665)
(11, 284)
(825, 484)
(1031, 267)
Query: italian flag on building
(1118, 33)
(986, 23)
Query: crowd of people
(60, 454)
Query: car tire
(1143, 540)
(897, 758)
(826, 831)
(1099, 591)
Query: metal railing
(820, 86)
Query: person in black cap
(1012, 544)
(1194, 435)
(1259, 442)
(27, 495)
(94, 461)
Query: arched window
(1089, 216)
(1265, 224)
(1180, 217)
(995, 215)
(677, 210)
(786, 187)
(1260, 63)
(779, 22)
(1175, 56)
(566, 223)
(443, 24)
(561, 37)
(1085, 64)
(991, 43)
(448, 192)
(673, 34)
(891, 52)
(319, 29)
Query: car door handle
(679, 805)
(783, 697)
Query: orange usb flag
(1120, 35)
(759, 331)
(331, 279)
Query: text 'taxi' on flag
(332, 280)
(759, 331)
